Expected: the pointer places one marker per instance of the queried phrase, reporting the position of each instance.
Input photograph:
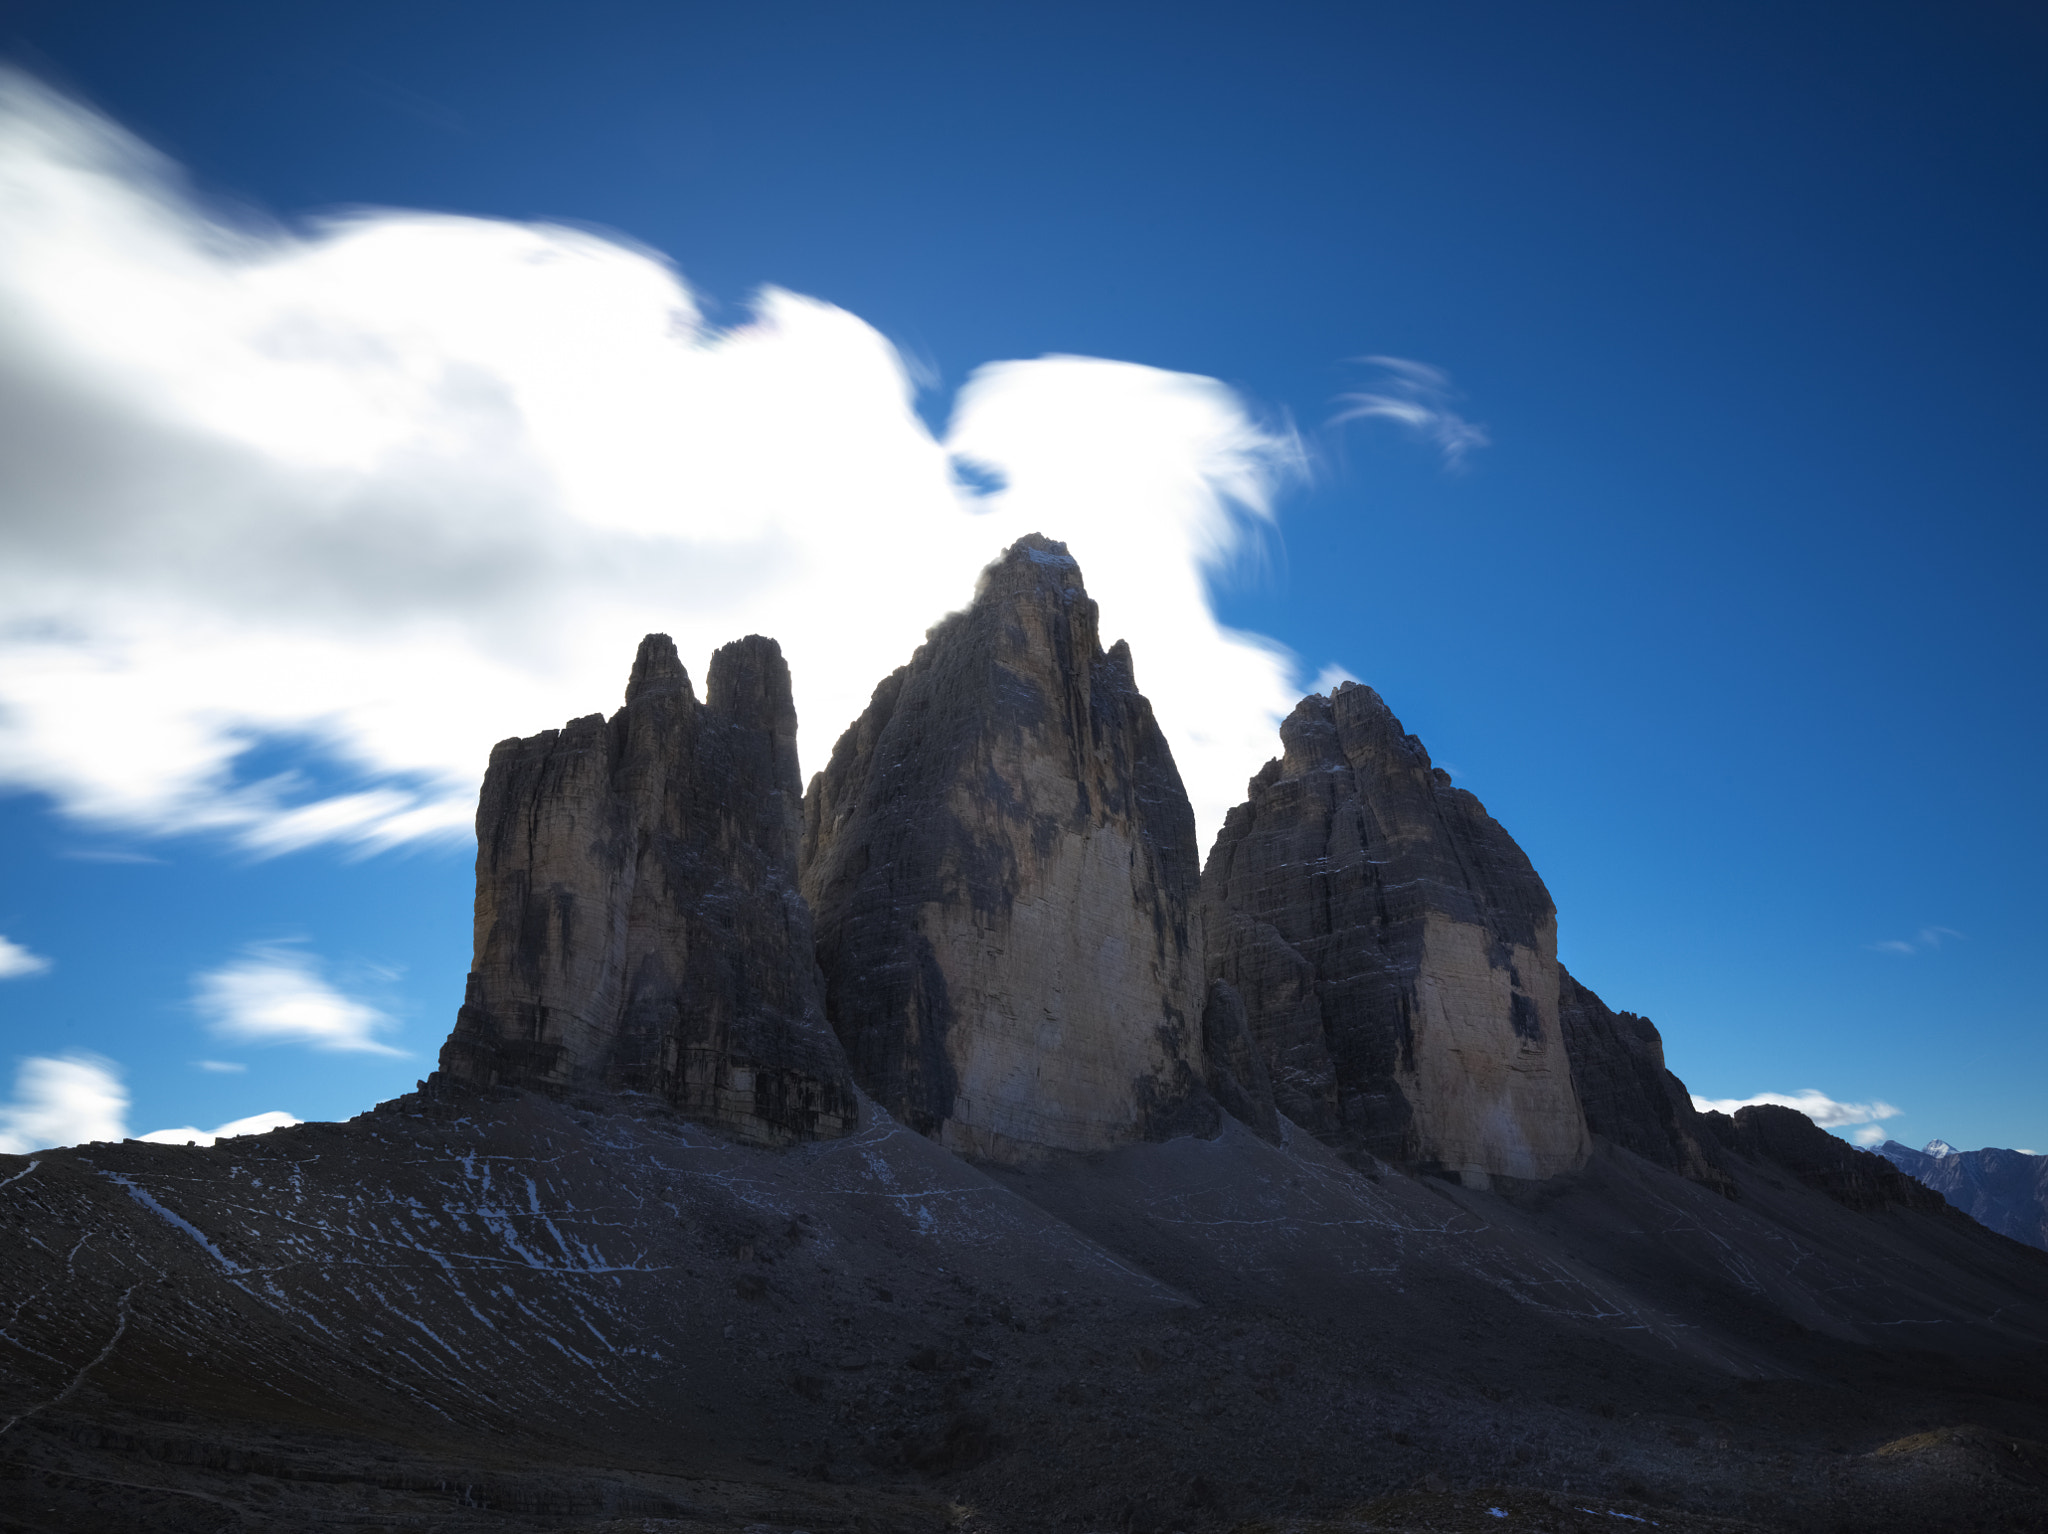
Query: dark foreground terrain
(498, 1311)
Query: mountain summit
(1002, 863)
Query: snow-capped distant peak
(1938, 1148)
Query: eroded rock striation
(1002, 864)
(1395, 951)
(638, 922)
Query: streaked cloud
(1925, 940)
(275, 994)
(1419, 399)
(222, 1067)
(392, 486)
(63, 1100)
(1818, 1106)
(254, 1124)
(17, 961)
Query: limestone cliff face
(638, 923)
(1002, 864)
(1395, 951)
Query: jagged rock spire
(1002, 863)
(638, 924)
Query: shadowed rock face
(638, 925)
(1627, 1094)
(1396, 953)
(1002, 863)
(1783, 1137)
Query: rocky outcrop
(2004, 1189)
(1002, 863)
(1395, 951)
(1625, 1091)
(638, 922)
(1789, 1140)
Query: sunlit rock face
(1395, 951)
(1002, 863)
(638, 923)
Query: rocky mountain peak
(657, 669)
(638, 925)
(1395, 951)
(1002, 863)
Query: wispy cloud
(397, 485)
(254, 1124)
(17, 961)
(222, 1067)
(1871, 1134)
(275, 994)
(63, 1100)
(1924, 941)
(1818, 1106)
(1420, 399)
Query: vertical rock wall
(1627, 1094)
(1002, 864)
(638, 922)
(1395, 952)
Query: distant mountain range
(2004, 1189)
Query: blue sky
(1733, 619)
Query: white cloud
(73, 1099)
(1871, 1134)
(275, 995)
(1818, 1106)
(254, 1124)
(63, 1100)
(1330, 678)
(398, 485)
(223, 1067)
(16, 961)
(1923, 941)
(1420, 399)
